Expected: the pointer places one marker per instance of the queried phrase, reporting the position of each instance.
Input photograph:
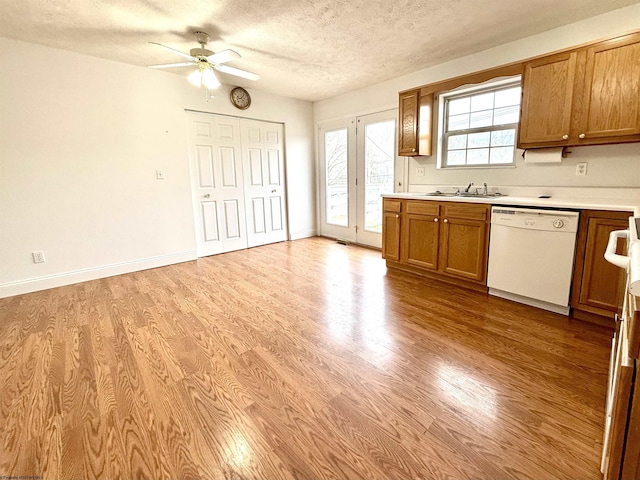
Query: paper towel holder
(564, 153)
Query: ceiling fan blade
(223, 56)
(172, 65)
(237, 72)
(177, 52)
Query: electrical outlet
(38, 257)
(420, 172)
(581, 168)
(160, 174)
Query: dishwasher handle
(610, 254)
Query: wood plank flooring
(299, 360)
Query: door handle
(207, 195)
(273, 191)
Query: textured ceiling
(307, 49)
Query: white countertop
(578, 203)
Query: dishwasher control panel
(535, 219)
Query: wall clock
(240, 98)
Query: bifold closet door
(218, 184)
(238, 184)
(263, 163)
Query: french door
(358, 159)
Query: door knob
(207, 195)
(273, 191)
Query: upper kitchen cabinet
(611, 95)
(408, 131)
(416, 114)
(547, 96)
(586, 96)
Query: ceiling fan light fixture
(209, 79)
(195, 78)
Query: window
(479, 126)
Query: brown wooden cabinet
(421, 234)
(598, 286)
(585, 96)
(408, 131)
(448, 239)
(465, 241)
(547, 99)
(391, 224)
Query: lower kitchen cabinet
(465, 241)
(449, 239)
(421, 234)
(391, 222)
(598, 286)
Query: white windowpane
(456, 142)
(505, 98)
(500, 138)
(379, 148)
(459, 122)
(456, 157)
(481, 119)
(459, 105)
(480, 128)
(478, 140)
(506, 115)
(482, 102)
(478, 156)
(501, 155)
(335, 151)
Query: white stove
(621, 444)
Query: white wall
(608, 166)
(80, 141)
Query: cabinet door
(420, 241)
(464, 248)
(611, 96)
(391, 236)
(408, 131)
(599, 285)
(547, 97)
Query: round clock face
(240, 98)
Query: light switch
(160, 174)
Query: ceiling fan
(206, 62)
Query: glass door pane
(379, 164)
(337, 176)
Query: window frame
(444, 98)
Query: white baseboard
(302, 234)
(67, 278)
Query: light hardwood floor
(299, 360)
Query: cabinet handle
(565, 137)
(413, 149)
(435, 219)
(446, 221)
(397, 216)
(582, 135)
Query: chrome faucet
(466, 190)
(486, 191)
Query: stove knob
(558, 223)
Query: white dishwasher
(531, 255)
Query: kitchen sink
(478, 195)
(438, 193)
